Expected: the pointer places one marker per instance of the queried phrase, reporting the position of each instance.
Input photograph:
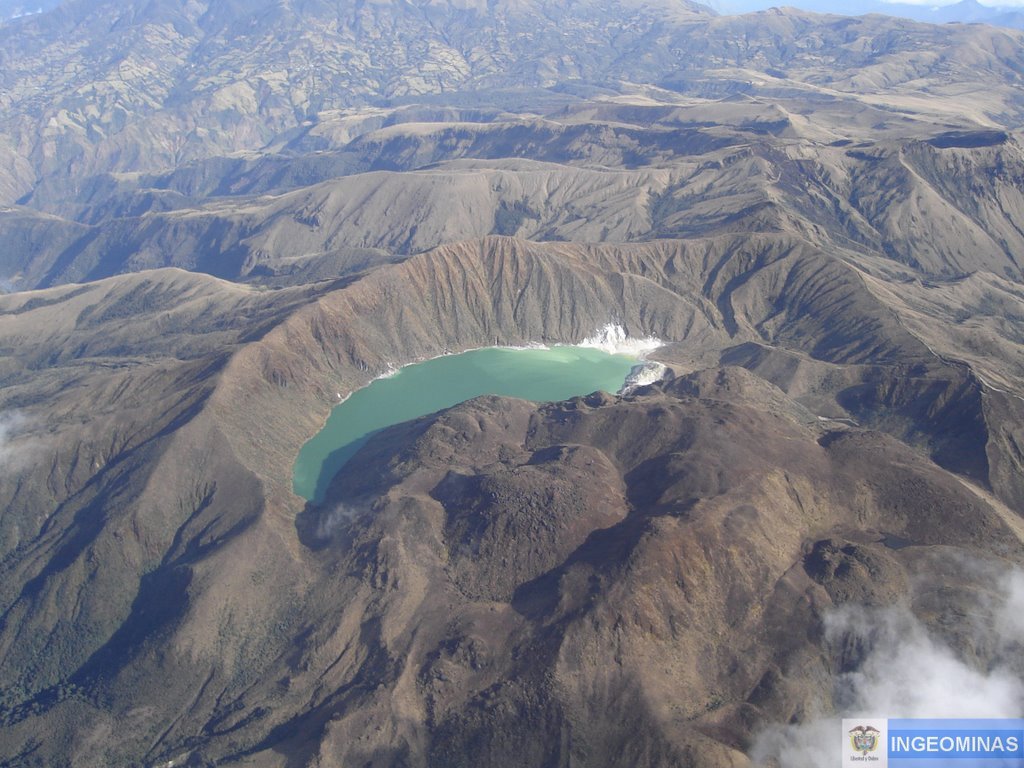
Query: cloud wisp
(16, 451)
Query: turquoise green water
(541, 375)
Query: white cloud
(907, 672)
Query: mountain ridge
(206, 249)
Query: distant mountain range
(218, 218)
(964, 12)
(99, 87)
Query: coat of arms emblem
(864, 738)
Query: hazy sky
(992, 3)
(842, 6)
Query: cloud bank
(904, 671)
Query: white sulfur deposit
(613, 339)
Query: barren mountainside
(217, 228)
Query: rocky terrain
(957, 12)
(252, 210)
